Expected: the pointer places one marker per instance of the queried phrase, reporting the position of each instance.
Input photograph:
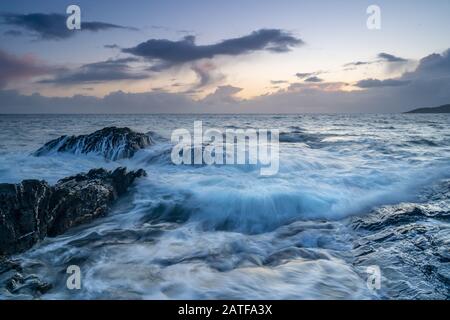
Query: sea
(228, 232)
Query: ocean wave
(236, 199)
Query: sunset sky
(223, 56)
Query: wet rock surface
(32, 210)
(32, 285)
(112, 143)
(24, 214)
(410, 243)
(16, 284)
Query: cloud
(206, 74)
(301, 75)
(168, 53)
(428, 85)
(358, 63)
(115, 102)
(306, 99)
(52, 26)
(14, 68)
(111, 46)
(390, 58)
(278, 81)
(222, 95)
(315, 86)
(310, 76)
(202, 71)
(313, 79)
(375, 83)
(382, 57)
(104, 71)
(432, 66)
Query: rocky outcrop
(112, 143)
(32, 210)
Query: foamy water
(206, 232)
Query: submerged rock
(31, 285)
(112, 143)
(7, 265)
(32, 210)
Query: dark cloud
(168, 53)
(52, 26)
(432, 66)
(313, 79)
(390, 58)
(104, 71)
(433, 71)
(111, 46)
(278, 81)
(382, 57)
(358, 63)
(14, 68)
(310, 76)
(301, 75)
(375, 83)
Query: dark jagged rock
(31, 210)
(112, 143)
(84, 197)
(24, 214)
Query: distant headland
(441, 109)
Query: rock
(32, 210)
(24, 214)
(84, 197)
(7, 265)
(31, 285)
(112, 143)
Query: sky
(245, 56)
